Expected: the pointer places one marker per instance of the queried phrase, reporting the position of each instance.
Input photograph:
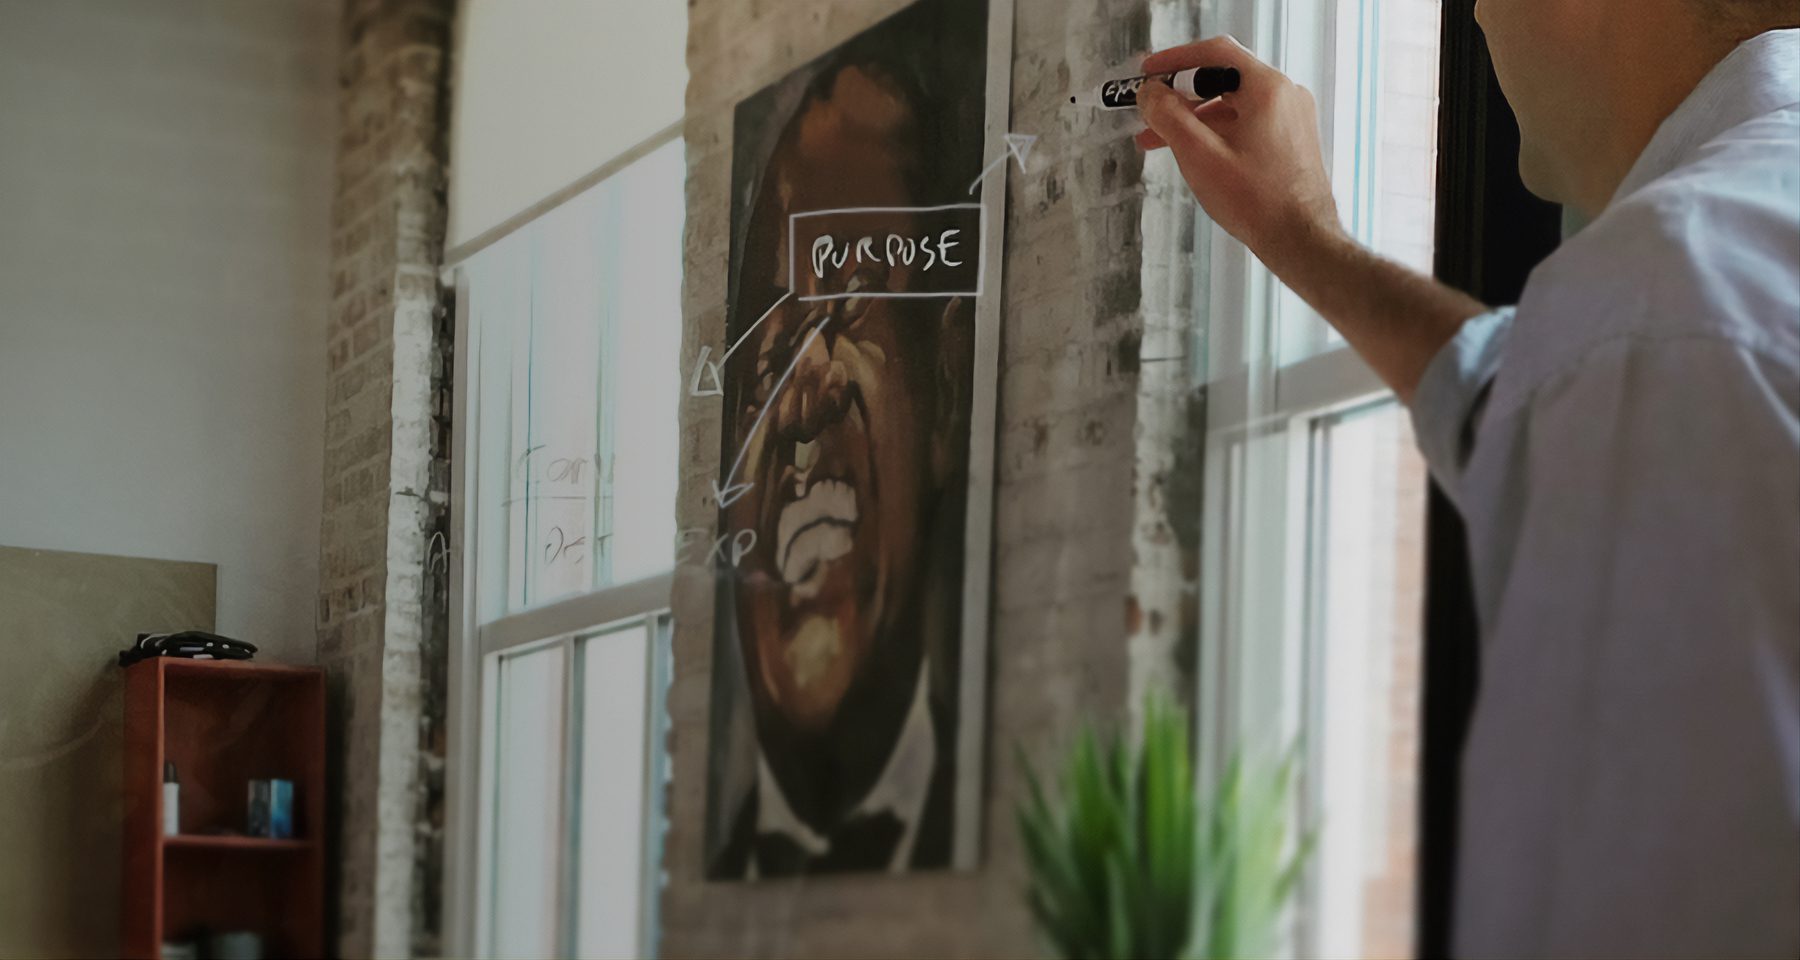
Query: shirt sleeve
(1447, 403)
(1641, 687)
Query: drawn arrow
(706, 369)
(758, 323)
(732, 492)
(1018, 146)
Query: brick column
(382, 586)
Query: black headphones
(194, 644)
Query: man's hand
(1252, 158)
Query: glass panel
(1379, 109)
(615, 742)
(645, 309)
(1405, 163)
(579, 315)
(1312, 518)
(1368, 562)
(527, 803)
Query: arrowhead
(709, 371)
(731, 494)
(1019, 145)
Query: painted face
(844, 419)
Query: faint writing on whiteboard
(562, 469)
(534, 470)
(564, 485)
(558, 545)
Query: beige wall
(165, 186)
(63, 619)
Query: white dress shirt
(901, 790)
(1625, 450)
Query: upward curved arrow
(1018, 146)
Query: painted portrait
(837, 721)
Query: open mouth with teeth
(814, 530)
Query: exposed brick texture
(381, 595)
(1072, 327)
(1171, 419)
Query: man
(1625, 448)
(849, 423)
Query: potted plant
(1130, 862)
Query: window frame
(475, 647)
(1261, 599)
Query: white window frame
(1243, 301)
(1260, 594)
(475, 646)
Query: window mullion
(586, 612)
(568, 868)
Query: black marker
(1195, 83)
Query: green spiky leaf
(1127, 860)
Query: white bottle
(171, 805)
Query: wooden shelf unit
(222, 723)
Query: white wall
(165, 196)
(548, 90)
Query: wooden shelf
(228, 842)
(222, 723)
(187, 666)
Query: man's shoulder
(1709, 252)
(1730, 212)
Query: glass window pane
(1312, 520)
(645, 305)
(615, 741)
(579, 321)
(1368, 544)
(527, 807)
(1381, 125)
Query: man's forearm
(1395, 318)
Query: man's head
(852, 418)
(1591, 80)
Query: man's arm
(1254, 162)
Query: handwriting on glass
(730, 548)
(932, 245)
(558, 545)
(548, 477)
(895, 250)
(555, 469)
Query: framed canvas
(855, 480)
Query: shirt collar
(1761, 76)
(901, 789)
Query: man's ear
(952, 368)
